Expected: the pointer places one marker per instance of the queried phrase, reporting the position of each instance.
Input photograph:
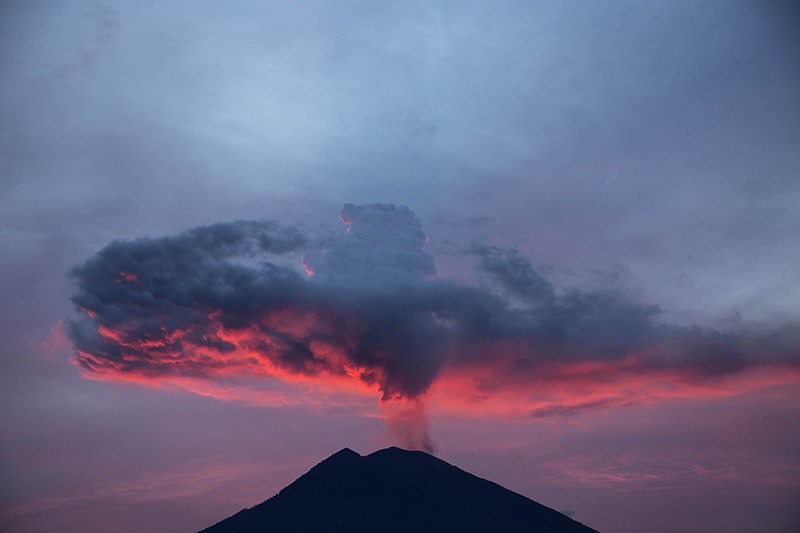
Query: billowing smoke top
(384, 247)
(213, 303)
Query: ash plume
(408, 424)
(222, 301)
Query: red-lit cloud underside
(207, 311)
(490, 378)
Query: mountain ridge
(395, 490)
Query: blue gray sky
(648, 148)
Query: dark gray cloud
(383, 248)
(215, 301)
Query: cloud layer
(367, 312)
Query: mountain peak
(343, 458)
(345, 452)
(395, 490)
(393, 450)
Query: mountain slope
(394, 490)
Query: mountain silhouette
(395, 490)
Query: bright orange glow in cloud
(128, 277)
(496, 386)
(306, 267)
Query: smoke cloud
(366, 310)
(408, 423)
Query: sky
(554, 243)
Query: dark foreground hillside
(394, 490)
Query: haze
(571, 264)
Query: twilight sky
(555, 241)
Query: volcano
(392, 491)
